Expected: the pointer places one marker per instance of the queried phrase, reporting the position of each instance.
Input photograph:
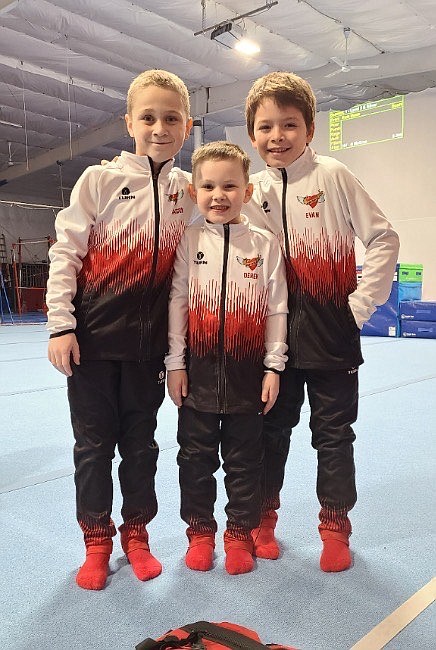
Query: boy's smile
(158, 123)
(220, 190)
(280, 133)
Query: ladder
(4, 276)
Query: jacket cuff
(274, 370)
(56, 334)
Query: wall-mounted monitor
(368, 123)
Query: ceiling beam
(15, 64)
(7, 5)
(85, 142)
(221, 98)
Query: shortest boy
(227, 332)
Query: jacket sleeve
(381, 243)
(178, 310)
(73, 226)
(276, 322)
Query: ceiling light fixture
(233, 37)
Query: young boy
(227, 331)
(316, 207)
(107, 317)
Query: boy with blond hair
(227, 330)
(316, 207)
(107, 303)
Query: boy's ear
(188, 128)
(192, 192)
(310, 133)
(128, 120)
(248, 192)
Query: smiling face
(280, 133)
(158, 123)
(220, 189)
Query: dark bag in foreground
(210, 636)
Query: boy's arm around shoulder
(73, 225)
(381, 250)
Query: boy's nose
(160, 127)
(277, 134)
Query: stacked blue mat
(418, 319)
(406, 287)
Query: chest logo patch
(313, 199)
(250, 262)
(173, 198)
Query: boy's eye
(263, 127)
(172, 119)
(207, 186)
(230, 186)
(148, 118)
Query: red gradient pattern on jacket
(120, 258)
(245, 320)
(322, 266)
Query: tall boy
(108, 302)
(227, 327)
(316, 207)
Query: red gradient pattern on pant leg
(245, 320)
(321, 266)
(97, 529)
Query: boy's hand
(177, 382)
(60, 351)
(270, 390)
(105, 162)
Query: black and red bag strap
(203, 630)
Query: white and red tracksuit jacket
(111, 265)
(316, 207)
(227, 314)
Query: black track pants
(200, 436)
(333, 399)
(115, 403)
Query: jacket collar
(236, 229)
(143, 163)
(295, 169)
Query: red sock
(135, 545)
(336, 554)
(265, 543)
(199, 556)
(94, 572)
(239, 554)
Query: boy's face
(220, 189)
(280, 133)
(158, 123)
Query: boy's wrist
(55, 335)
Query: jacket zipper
(147, 325)
(292, 323)
(222, 398)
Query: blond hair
(220, 150)
(162, 79)
(284, 88)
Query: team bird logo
(312, 200)
(250, 262)
(173, 198)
